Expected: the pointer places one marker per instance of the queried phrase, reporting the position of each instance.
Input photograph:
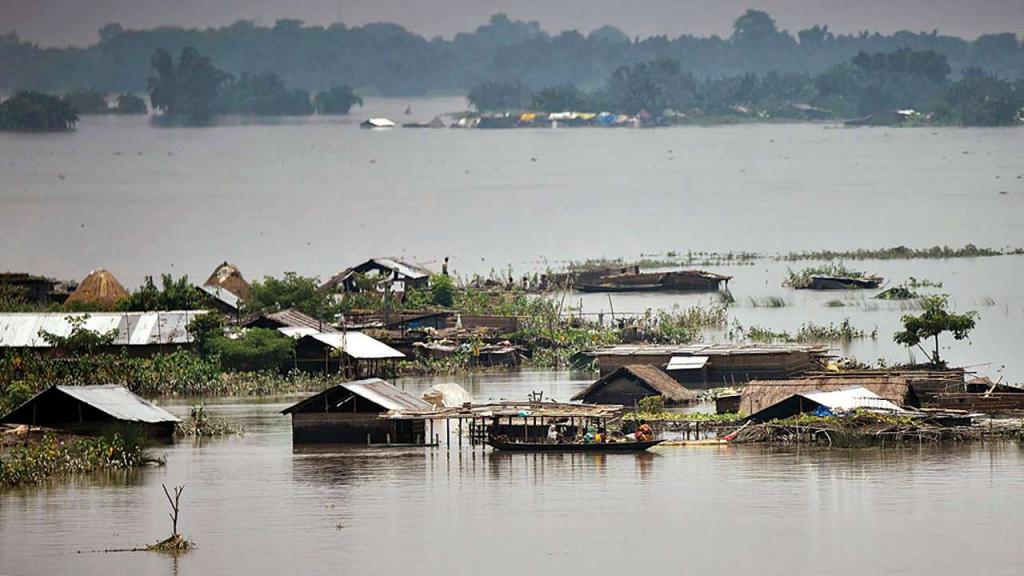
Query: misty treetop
(195, 88)
(388, 59)
(36, 112)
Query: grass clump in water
(802, 278)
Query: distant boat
(377, 123)
(408, 109)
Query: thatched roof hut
(630, 384)
(228, 277)
(759, 394)
(100, 289)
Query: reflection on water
(256, 505)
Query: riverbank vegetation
(53, 455)
(36, 112)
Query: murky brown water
(254, 505)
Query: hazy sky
(59, 22)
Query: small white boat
(377, 123)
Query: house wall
(352, 428)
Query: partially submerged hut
(353, 354)
(761, 394)
(99, 289)
(91, 409)
(712, 365)
(352, 412)
(830, 403)
(630, 384)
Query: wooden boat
(572, 447)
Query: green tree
(36, 112)
(173, 294)
(204, 330)
(87, 101)
(561, 98)
(291, 291)
(130, 104)
(187, 88)
(935, 320)
(442, 290)
(337, 100)
(980, 99)
(500, 96)
(261, 94)
(256, 349)
(80, 340)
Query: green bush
(442, 290)
(255, 350)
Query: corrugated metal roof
(294, 318)
(357, 345)
(119, 402)
(21, 330)
(373, 389)
(687, 362)
(404, 268)
(851, 399)
(223, 295)
(384, 394)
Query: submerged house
(822, 403)
(712, 365)
(351, 412)
(759, 395)
(630, 384)
(353, 354)
(91, 409)
(400, 274)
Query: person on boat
(553, 434)
(494, 430)
(644, 433)
(589, 437)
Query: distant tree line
(869, 84)
(390, 60)
(194, 87)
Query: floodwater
(254, 505)
(314, 195)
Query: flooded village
(437, 290)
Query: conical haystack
(228, 277)
(100, 289)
